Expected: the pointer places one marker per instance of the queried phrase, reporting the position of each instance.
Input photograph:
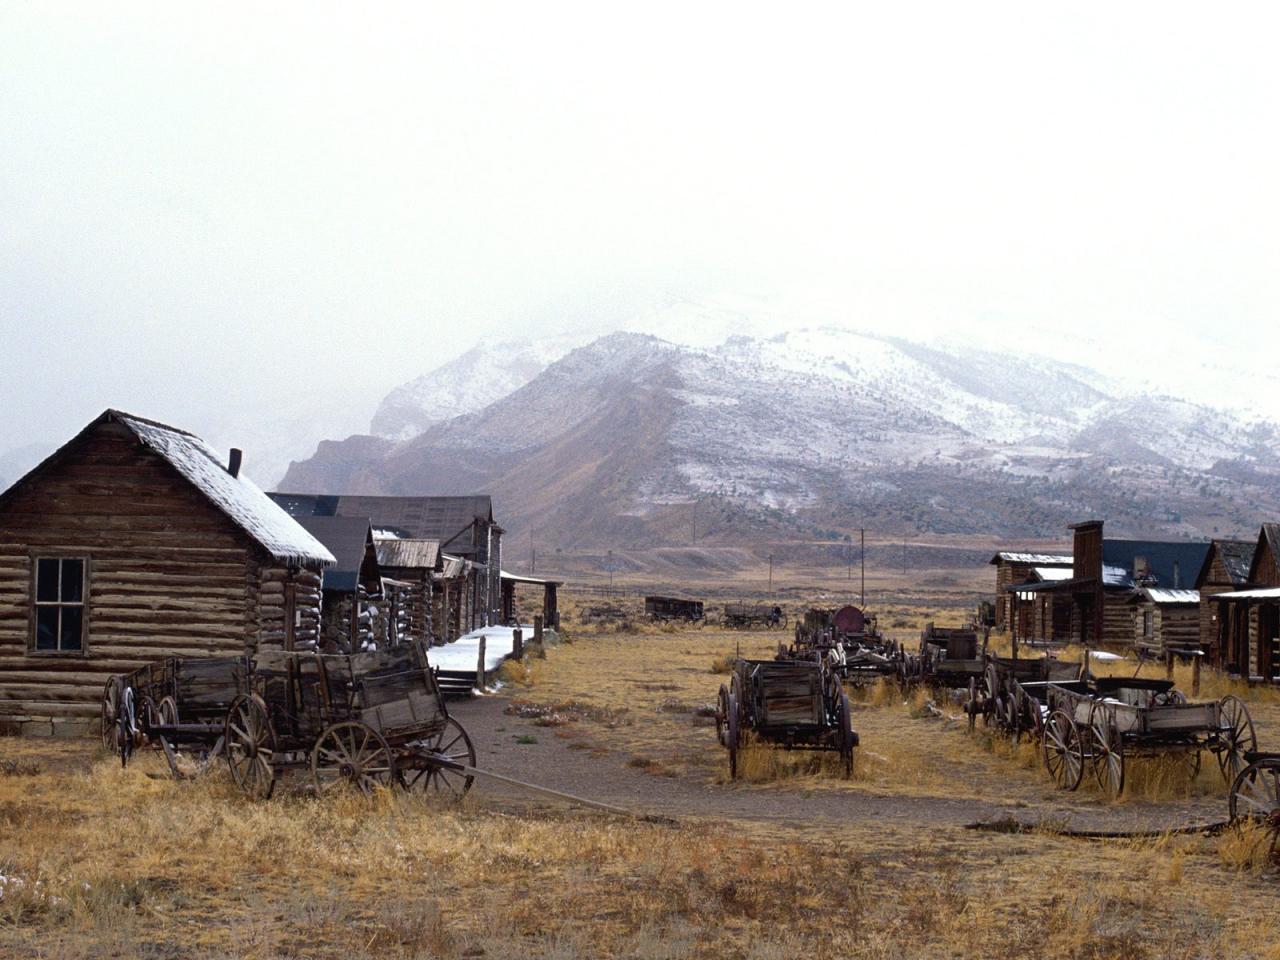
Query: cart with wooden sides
(793, 704)
(949, 657)
(664, 609)
(365, 720)
(1008, 697)
(1104, 722)
(1255, 799)
(744, 615)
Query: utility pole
(533, 555)
(904, 554)
(862, 540)
(610, 571)
(771, 574)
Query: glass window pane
(47, 581)
(47, 628)
(72, 619)
(72, 581)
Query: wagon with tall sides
(366, 719)
(1105, 722)
(664, 609)
(793, 704)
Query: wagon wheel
(1013, 715)
(1063, 751)
(1255, 796)
(111, 696)
(722, 714)
(1108, 751)
(167, 709)
(847, 737)
(1235, 737)
(1035, 716)
(733, 735)
(737, 697)
(971, 708)
(1191, 763)
(991, 685)
(452, 743)
(251, 746)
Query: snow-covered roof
(1038, 559)
(237, 497)
(1267, 593)
(401, 552)
(1116, 576)
(1053, 573)
(523, 578)
(1164, 595)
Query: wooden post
(1195, 675)
(480, 666)
(1168, 666)
(537, 628)
(517, 643)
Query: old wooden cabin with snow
(132, 542)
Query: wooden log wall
(1178, 628)
(289, 606)
(168, 573)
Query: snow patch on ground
(464, 653)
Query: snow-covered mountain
(632, 438)
(485, 373)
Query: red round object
(850, 620)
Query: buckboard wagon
(1255, 798)
(365, 719)
(1105, 721)
(850, 641)
(662, 609)
(794, 704)
(754, 615)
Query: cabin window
(59, 604)
(1148, 626)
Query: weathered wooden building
(132, 542)
(1018, 567)
(356, 610)
(550, 590)
(1225, 569)
(417, 565)
(1102, 593)
(1167, 621)
(1249, 619)
(463, 526)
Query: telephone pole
(862, 541)
(771, 574)
(533, 555)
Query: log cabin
(550, 590)
(1106, 575)
(1167, 622)
(417, 565)
(463, 526)
(1013, 611)
(1225, 569)
(355, 611)
(1250, 618)
(132, 542)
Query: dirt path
(516, 747)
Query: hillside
(632, 440)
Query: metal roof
(1038, 559)
(238, 497)
(348, 539)
(453, 568)
(1164, 558)
(449, 520)
(1268, 593)
(420, 554)
(1162, 595)
(1053, 573)
(521, 578)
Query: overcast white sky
(216, 207)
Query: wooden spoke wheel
(112, 694)
(722, 714)
(1033, 717)
(971, 707)
(733, 734)
(1255, 797)
(451, 743)
(1063, 750)
(352, 754)
(1236, 737)
(1108, 751)
(1012, 715)
(848, 739)
(250, 745)
(167, 710)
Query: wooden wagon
(663, 609)
(1255, 798)
(744, 615)
(795, 704)
(850, 641)
(949, 657)
(366, 719)
(1006, 696)
(1105, 721)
